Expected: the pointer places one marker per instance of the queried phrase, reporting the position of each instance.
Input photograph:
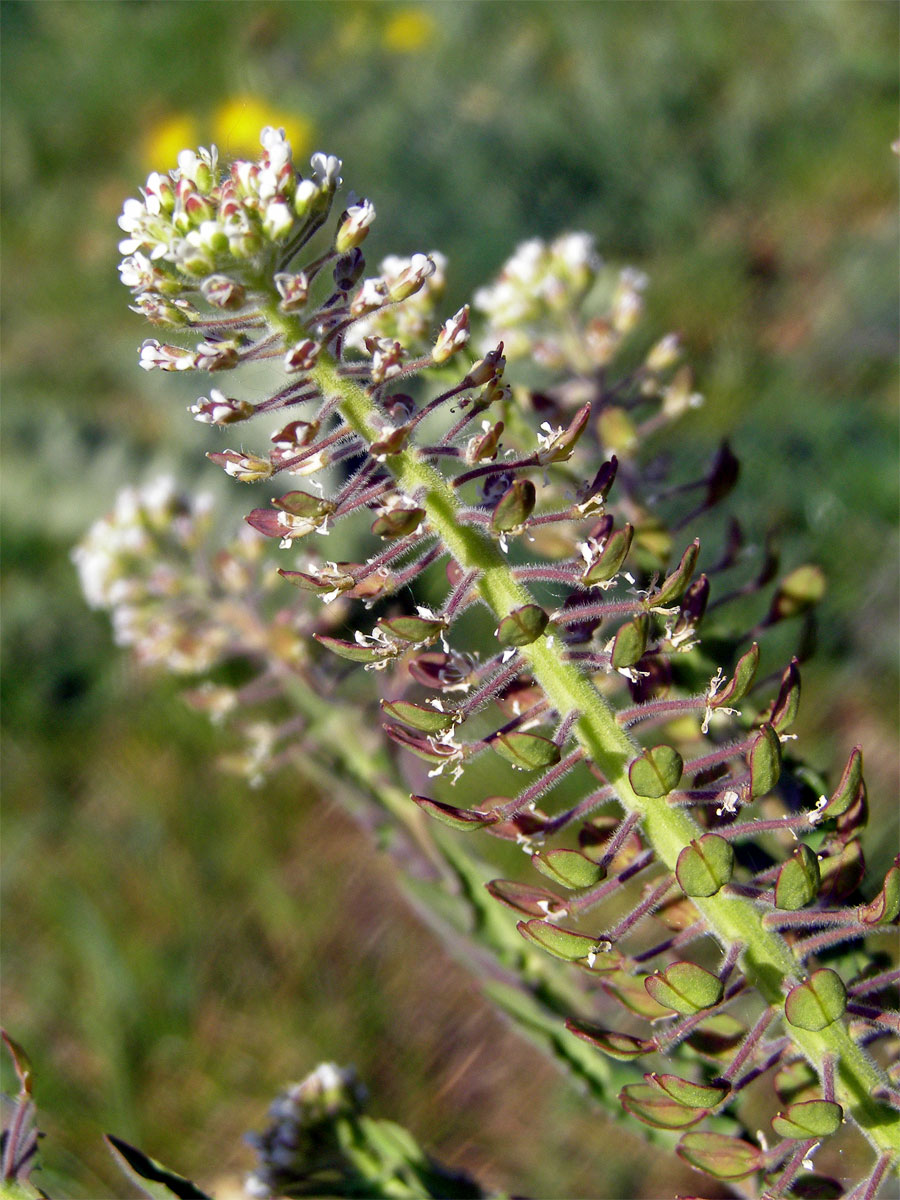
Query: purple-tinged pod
(415, 631)
(566, 944)
(705, 865)
(847, 790)
(527, 751)
(621, 1046)
(656, 1109)
(764, 760)
(723, 475)
(557, 445)
(361, 652)
(568, 867)
(514, 507)
(674, 585)
(425, 746)
(322, 581)
(741, 682)
(484, 448)
(606, 554)
(630, 642)
(677, 913)
(522, 626)
(688, 1093)
(443, 672)
(721, 1156)
(841, 873)
(787, 703)
(456, 818)
(523, 898)
(392, 441)
(418, 716)
(809, 1119)
(818, 1002)
(397, 522)
(685, 988)
(690, 611)
(302, 504)
(884, 908)
(656, 772)
(591, 496)
(798, 880)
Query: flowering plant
(562, 679)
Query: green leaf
(675, 585)
(765, 762)
(685, 987)
(621, 1046)
(569, 868)
(656, 772)
(818, 1002)
(456, 818)
(691, 1095)
(809, 1119)
(719, 1155)
(631, 642)
(655, 1108)
(741, 681)
(705, 865)
(522, 626)
(798, 880)
(568, 945)
(150, 1176)
(528, 751)
(514, 507)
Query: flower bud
(301, 357)
(165, 358)
(220, 410)
(452, 336)
(293, 289)
(664, 354)
(278, 220)
(217, 354)
(222, 292)
(176, 313)
(354, 226)
(248, 468)
(411, 278)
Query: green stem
(766, 958)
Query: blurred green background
(177, 948)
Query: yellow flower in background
(164, 140)
(237, 121)
(408, 30)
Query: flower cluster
(189, 224)
(410, 323)
(147, 564)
